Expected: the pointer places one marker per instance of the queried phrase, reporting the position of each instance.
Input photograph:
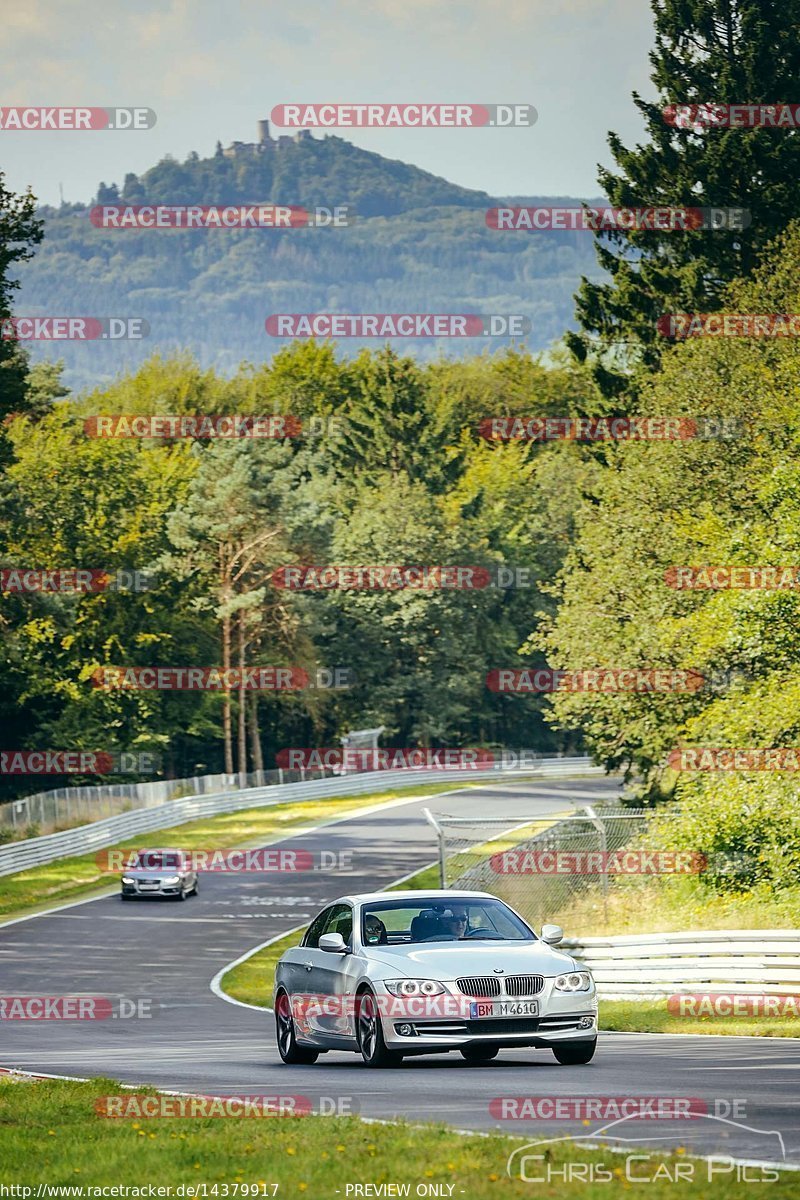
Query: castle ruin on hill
(265, 143)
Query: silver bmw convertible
(395, 974)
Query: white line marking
(216, 982)
(47, 912)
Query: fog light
(405, 1030)
(585, 1023)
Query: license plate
(149, 887)
(503, 1008)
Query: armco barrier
(80, 805)
(34, 852)
(646, 966)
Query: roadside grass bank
(652, 1016)
(78, 878)
(668, 904)
(50, 1134)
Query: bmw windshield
(399, 922)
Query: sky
(211, 68)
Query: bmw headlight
(576, 981)
(413, 987)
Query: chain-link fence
(62, 808)
(537, 866)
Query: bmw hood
(451, 960)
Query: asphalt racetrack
(195, 1041)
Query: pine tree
(389, 422)
(20, 231)
(707, 51)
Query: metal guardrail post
(601, 829)
(431, 819)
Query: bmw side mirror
(333, 943)
(551, 934)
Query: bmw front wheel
(369, 1032)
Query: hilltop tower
(263, 146)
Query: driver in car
(375, 930)
(455, 922)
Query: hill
(420, 244)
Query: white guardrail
(646, 966)
(34, 852)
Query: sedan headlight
(128, 879)
(172, 879)
(576, 981)
(413, 987)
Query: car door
(327, 977)
(294, 971)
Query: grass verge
(77, 878)
(651, 1016)
(667, 904)
(50, 1134)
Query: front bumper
(142, 888)
(420, 1037)
(568, 1016)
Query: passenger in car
(375, 930)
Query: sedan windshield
(396, 922)
(156, 860)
